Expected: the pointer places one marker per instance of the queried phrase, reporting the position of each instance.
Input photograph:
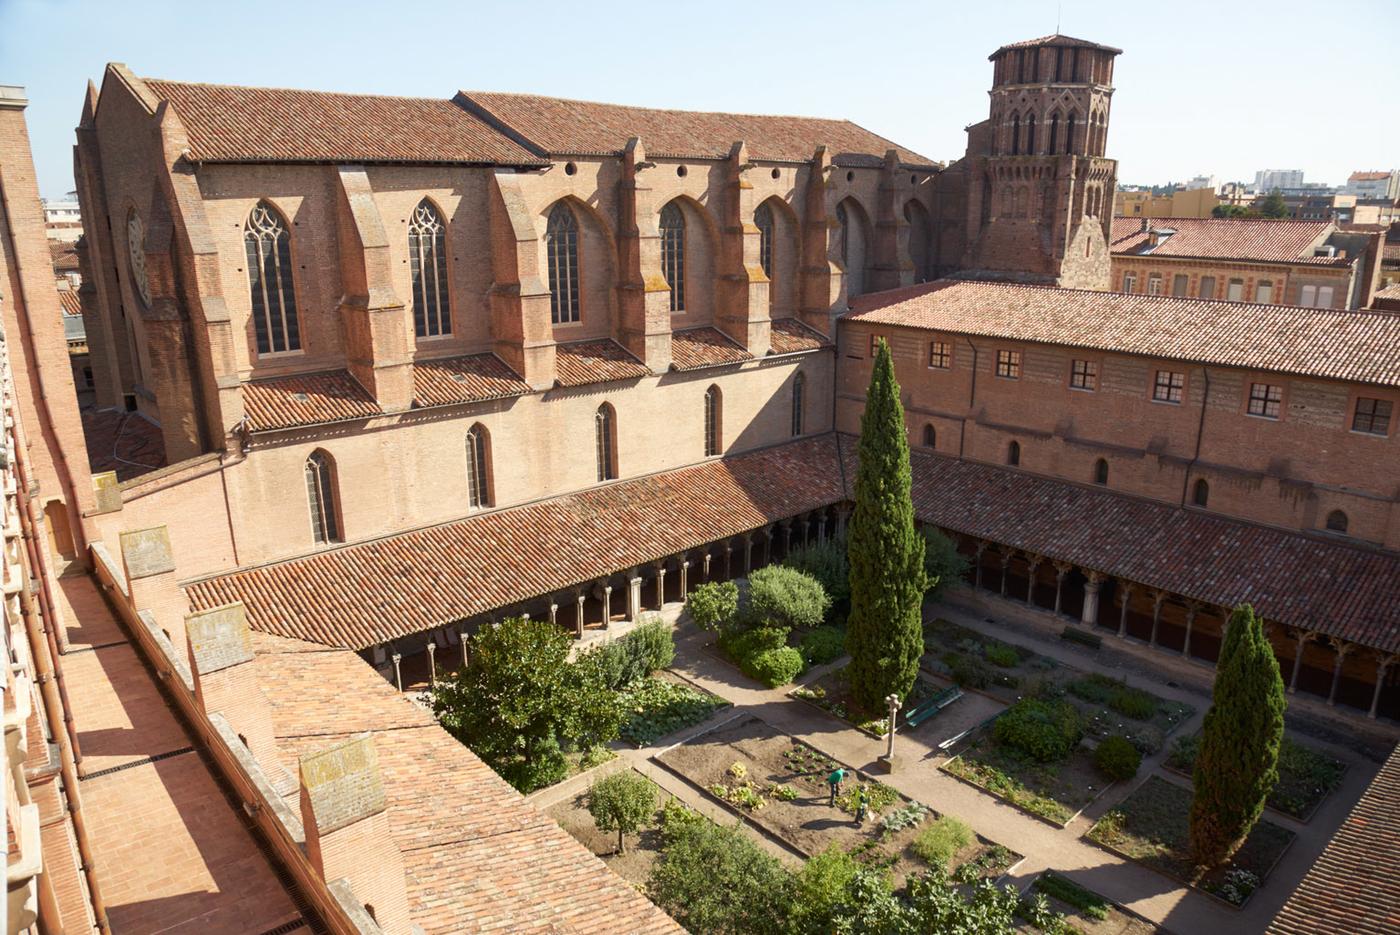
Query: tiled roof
(361, 595)
(469, 379)
(1317, 342)
(694, 348)
(790, 336)
(1368, 176)
(1257, 239)
(600, 361)
(64, 255)
(1390, 253)
(1354, 886)
(477, 856)
(238, 124)
(1294, 579)
(565, 127)
(306, 399)
(70, 303)
(1055, 39)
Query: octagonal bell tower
(1040, 192)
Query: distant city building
(1316, 205)
(1182, 203)
(1383, 186)
(63, 219)
(1266, 180)
(1202, 181)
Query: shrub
(1117, 758)
(826, 562)
(1073, 634)
(940, 840)
(787, 597)
(967, 671)
(823, 645)
(773, 667)
(1043, 730)
(678, 818)
(1072, 894)
(1002, 655)
(714, 606)
(822, 888)
(1134, 703)
(1095, 688)
(712, 878)
(741, 646)
(651, 646)
(943, 564)
(622, 802)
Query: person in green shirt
(838, 776)
(862, 805)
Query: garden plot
(1112, 707)
(1003, 670)
(779, 785)
(661, 705)
(1084, 911)
(1055, 792)
(643, 849)
(1305, 776)
(1152, 827)
(832, 694)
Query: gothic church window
(321, 498)
(763, 220)
(673, 253)
(561, 247)
(713, 403)
(799, 391)
(427, 261)
(269, 252)
(605, 438)
(478, 466)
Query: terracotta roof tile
(64, 255)
(70, 303)
(477, 856)
(694, 348)
(1316, 342)
(361, 595)
(1368, 176)
(469, 379)
(1056, 39)
(565, 127)
(581, 363)
(790, 336)
(238, 124)
(1354, 886)
(1258, 239)
(306, 399)
(1294, 579)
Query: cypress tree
(885, 633)
(1237, 766)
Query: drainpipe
(971, 399)
(1200, 431)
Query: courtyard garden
(1305, 776)
(1151, 827)
(1081, 911)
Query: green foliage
(1305, 776)
(1127, 701)
(825, 886)
(1117, 758)
(1002, 655)
(884, 633)
(1232, 211)
(940, 840)
(739, 645)
(655, 707)
(715, 605)
(715, 879)
(1237, 766)
(1072, 894)
(823, 645)
(1272, 205)
(620, 662)
(622, 802)
(827, 563)
(1074, 634)
(879, 797)
(773, 667)
(520, 696)
(677, 819)
(944, 565)
(1042, 729)
(786, 597)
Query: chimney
(1146, 225)
(221, 660)
(150, 580)
(347, 829)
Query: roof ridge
(661, 110)
(262, 87)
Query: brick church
(418, 364)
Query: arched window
(478, 466)
(606, 441)
(919, 239)
(1069, 134)
(1013, 454)
(1201, 495)
(1337, 521)
(1015, 134)
(1030, 135)
(1054, 140)
(843, 220)
(799, 389)
(930, 437)
(320, 496)
(269, 249)
(713, 418)
(1101, 471)
(561, 246)
(427, 261)
(763, 220)
(673, 253)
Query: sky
(1216, 88)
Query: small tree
(1272, 205)
(826, 884)
(884, 634)
(714, 606)
(623, 802)
(786, 597)
(943, 563)
(827, 562)
(1237, 766)
(715, 879)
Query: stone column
(1033, 563)
(660, 585)
(432, 663)
(1342, 649)
(464, 638)
(685, 579)
(1157, 598)
(553, 613)
(634, 596)
(787, 537)
(728, 560)
(1192, 609)
(748, 554)
(398, 671)
(578, 619)
(706, 575)
(1301, 637)
(768, 544)
(1127, 589)
(1382, 664)
(843, 515)
(821, 527)
(1061, 569)
(1005, 567)
(1092, 584)
(607, 606)
(977, 566)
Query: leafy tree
(713, 606)
(786, 597)
(826, 561)
(826, 886)
(1237, 766)
(1231, 211)
(943, 563)
(713, 879)
(622, 802)
(1272, 205)
(520, 697)
(884, 634)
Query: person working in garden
(838, 776)
(862, 805)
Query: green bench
(930, 706)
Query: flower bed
(1305, 776)
(1151, 826)
(1055, 792)
(1084, 912)
(658, 706)
(1113, 707)
(981, 663)
(779, 785)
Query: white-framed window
(1324, 296)
(1264, 291)
(1179, 284)
(1207, 290)
(1129, 281)
(1235, 290)
(1154, 284)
